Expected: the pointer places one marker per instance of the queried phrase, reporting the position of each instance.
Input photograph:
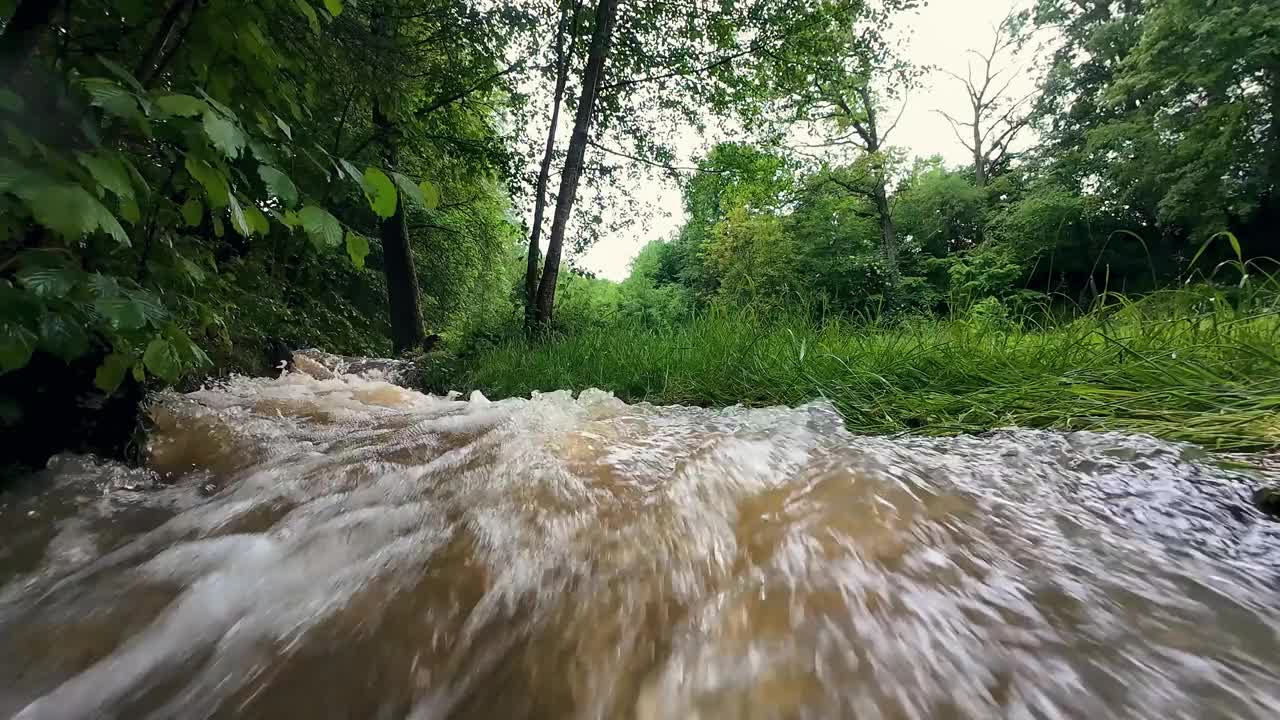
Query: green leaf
(351, 172)
(431, 194)
(63, 336)
(279, 184)
(284, 127)
(70, 211)
(380, 192)
(181, 105)
(238, 221)
(186, 349)
(150, 305)
(110, 96)
(258, 222)
(192, 211)
(410, 190)
(111, 372)
(291, 219)
(357, 249)
(121, 73)
(17, 343)
(309, 13)
(218, 230)
(226, 111)
(224, 134)
(334, 7)
(161, 359)
(139, 182)
(191, 270)
(139, 374)
(108, 223)
(122, 312)
(12, 175)
(323, 228)
(129, 211)
(65, 209)
(11, 101)
(49, 282)
(263, 151)
(108, 172)
(215, 185)
(104, 285)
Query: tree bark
(870, 132)
(404, 307)
(404, 304)
(544, 173)
(592, 75)
(888, 230)
(150, 64)
(979, 154)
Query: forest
(189, 188)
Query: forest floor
(1194, 365)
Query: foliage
(176, 197)
(1169, 114)
(940, 209)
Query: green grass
(1184, 365)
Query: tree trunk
(150, 65)
(979, 156)
(888, 231)
(403, 299)
(592, 75)
(544, 173)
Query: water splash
(334, 545)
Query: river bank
(1179, 366)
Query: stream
(333, 545)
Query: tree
(1096, 37)
(417, 99)
(404, 302)
(592, 77)
(940, 208)
(1204, 83)
(731, 176)
(669, 63)
(563, 62)
(1166, 112)
(825, 82)
(194, 177)
(995, 117)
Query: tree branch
(955, 128)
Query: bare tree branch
(955, 128)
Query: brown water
(346, 548)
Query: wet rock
(1267, 498)
(54, 406)
(322, 365)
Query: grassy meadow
(1197, 364)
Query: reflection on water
(341, 547)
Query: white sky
(941, 34)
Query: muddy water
(341, 547)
